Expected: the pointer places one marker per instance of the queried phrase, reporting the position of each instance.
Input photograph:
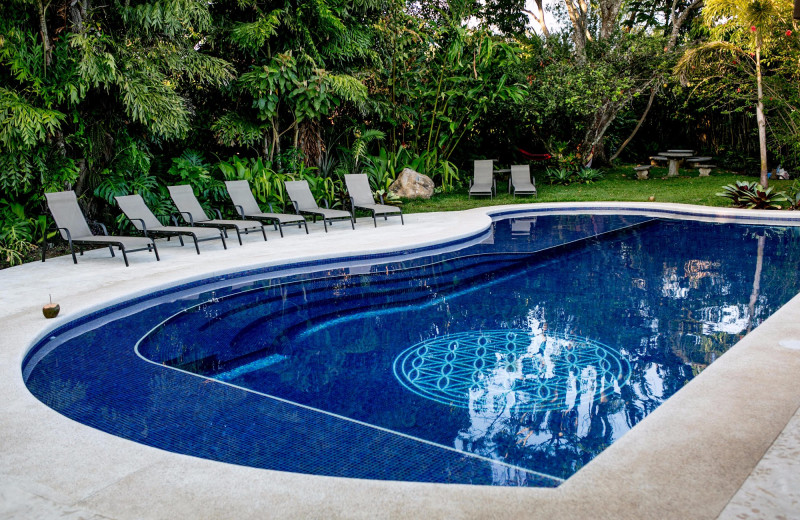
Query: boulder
(412, 185)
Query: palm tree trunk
(762, 123)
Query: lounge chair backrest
(521, 175)
(359, 190)
(186, 202)
(134, 208)
(240, 194)
(300, 193)
(484, 170)
(67, 214)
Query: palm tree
(744, 28)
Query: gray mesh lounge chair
(143, 219)
(521, 180)
(247, 206)
(483, 183)
(361, 197)
(75, 230)
(193, 213)
(300, 194)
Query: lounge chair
(143, 219)
(75, 230)
(361, 197)
(483, 182)
(521, 181)
(193, 213)
(246, 205)
(303, 201)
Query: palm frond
(696, 57)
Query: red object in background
(535, 156)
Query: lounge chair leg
(401, 220)
(275, 225)
(324, 223)
(279, 226)
(124, 256)
(72, 250)
(180, 239)
(264, 232)
(155, 250)
(306, 225)
(353, 221)
(222, 237)
(196, 246)
(110, 248)
(374, 220)
(239, 236)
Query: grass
(618, 184)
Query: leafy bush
(793, 197)
(267, 184)
(19, 232)
(752, 195)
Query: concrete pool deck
(726, 445)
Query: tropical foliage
(111, 98)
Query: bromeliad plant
(588, 175)
(752, 195)
(559, 176)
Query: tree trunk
(762, 122)
(311, 142)
(578, 12)
(593, 139)
(653, 91)
(609, 10)
(43, 32)
(538, 16)
(77, 14)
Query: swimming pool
(626, 290)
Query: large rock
(412, 185)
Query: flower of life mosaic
(523, 370)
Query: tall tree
(741, 30)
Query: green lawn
(618, 184)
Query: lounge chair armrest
(380, 197)
(240, 210)
(352, 204)
(144, 226)
(219, 214)
(187, 217)
(269, 205)
(174, 219)
(326, 203)
(296, 208)
(69, 235)
(102, 226)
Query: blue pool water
(511, 362)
